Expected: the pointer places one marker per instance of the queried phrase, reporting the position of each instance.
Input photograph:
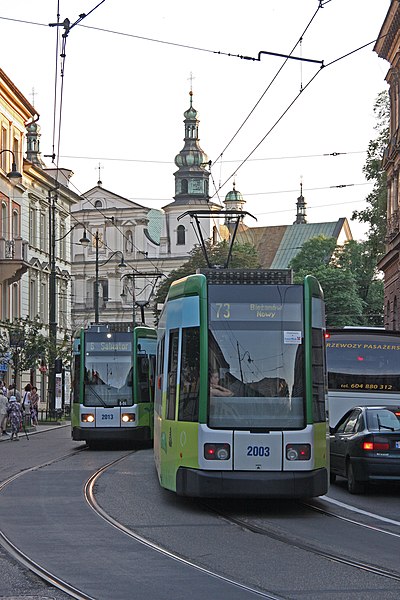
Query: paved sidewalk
(36, 429)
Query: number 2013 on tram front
(240, 398)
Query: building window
(15, 224)
(43, 299)
(4, 215)
(184, 186)
(3, 156)
(16, 152)
(180, 235)
(15, 300)
(98, 204)
(63, 241)
(32, 298)
(395, 314)
(32, 226)
(43, 232)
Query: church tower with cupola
(191, 192)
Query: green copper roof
(295, 236)
(154, 226)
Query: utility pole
(52, 299)
(96, 279)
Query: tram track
(89, 495)
(294, 541)
(26, 560)
(89, 492)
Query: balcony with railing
(13, 259)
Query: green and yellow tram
(240, 398)
(112, 384)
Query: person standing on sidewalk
(3, 413)
(26, 404)
(14, 413)
(35, 399)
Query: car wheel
(353, 485)
(332, 477)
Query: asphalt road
(45, 514)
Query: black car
(365, 446)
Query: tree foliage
(24, 346)
(375, 212)
(347, 274)
(244, 255)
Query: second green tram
(113, 384)
(240, 398)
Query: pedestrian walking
(3, 413)
(26, 404)
(14, 413)
(35, 399)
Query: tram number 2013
(257, 450)
(106, 417)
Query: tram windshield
(108, 370)
(256, 369)
(363, 361)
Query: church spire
(191, 179)
(301, 216)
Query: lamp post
(121, 266)
(53, 291)
(140, 303)
(14, 175)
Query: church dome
(191, 158)
(234, 196)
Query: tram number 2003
(257, 450)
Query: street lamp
(140, 303)
(14, 175)
(121, 266)
(53, 289)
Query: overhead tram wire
(270, 83)
(238, 160)
(292, 103)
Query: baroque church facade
(151, 242)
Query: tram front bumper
(89, 434)
(251, 484)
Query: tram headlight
(298, 451)
(128, 417)
(217, 451)
(87, 418)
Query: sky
(125, 81)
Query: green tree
(244, 255)
(26, 345)
(341, 271)
(375, 212)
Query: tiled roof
(295, 236)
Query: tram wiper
(91, 388)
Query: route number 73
(223, 310)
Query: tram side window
(76, 376)
(189, 380)
(318, 376)
(172, 373)
(160, 368)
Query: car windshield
(383, 418)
